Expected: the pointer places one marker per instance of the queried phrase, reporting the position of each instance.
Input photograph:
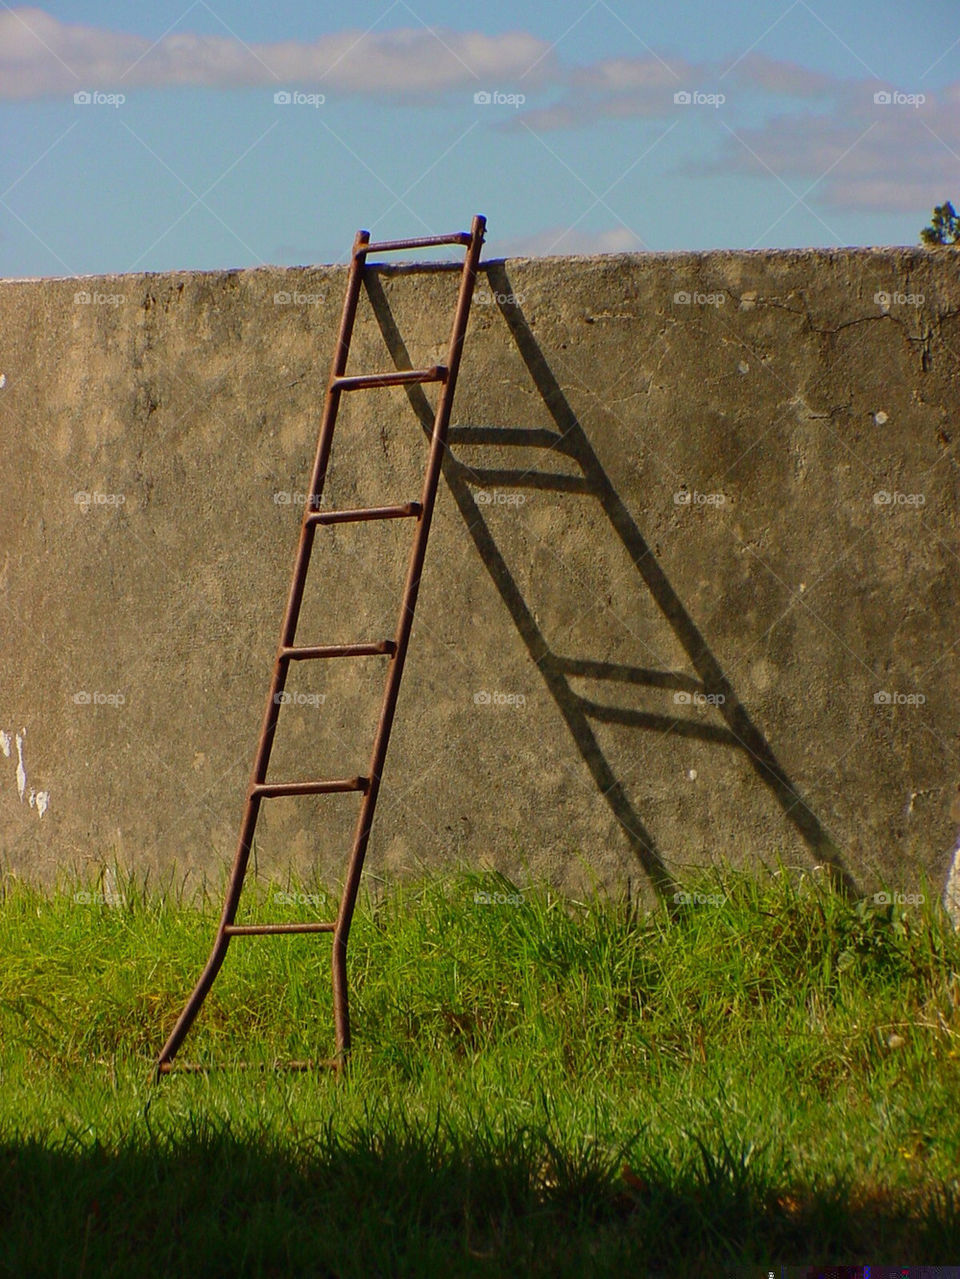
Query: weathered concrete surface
(565, 579)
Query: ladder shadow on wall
(571, 441)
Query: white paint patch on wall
(951, 894)
(38, 799)
(21, 771)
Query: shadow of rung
(515, 436)
(666, 724)
(544, 480)
(584, 668)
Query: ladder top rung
(365, 513)
(398, 377)
(270, 790)
(254, 930)
(424, 242)
(307, 653)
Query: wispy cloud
(896, 154)
(886, 156)
(645, 87)
(39, 56)
(561, 240)
(780, 76)
(615, 88)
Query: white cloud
(40, 55)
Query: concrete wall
(661, 597)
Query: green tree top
(944, 227)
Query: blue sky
(807, 124)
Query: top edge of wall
(900, 250)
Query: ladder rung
(385, 647)
(270, 790)
(254, 930)
(425, 242)
(365, 513)
(399, 377)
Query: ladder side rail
(404, 626)
(291, 615)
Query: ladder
(394, 649)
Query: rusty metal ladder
(394, 649)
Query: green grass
(537, 1088)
